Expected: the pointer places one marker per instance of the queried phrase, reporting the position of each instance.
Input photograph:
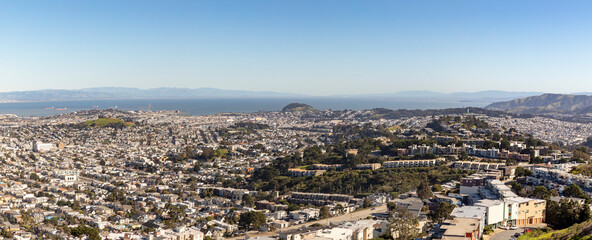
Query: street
(500, 234)
(506, 234)
(361, 214)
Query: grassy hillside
(582, 231)
(105, 122)
(585, 169)
(546, 103)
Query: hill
(107, 122)
(297, 107)
(546, 103)
(582, 231)
(484, 96)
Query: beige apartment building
(525, 211)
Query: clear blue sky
(312, 47)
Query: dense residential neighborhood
(306, 174)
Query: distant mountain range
(509, 102)
(163, 93)
(490, 96)
(547, 104)
(135, 93)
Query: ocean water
(213, 106)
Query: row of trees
(565, 213)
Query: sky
(311, 47)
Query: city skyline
(308, 47)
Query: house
(335, 234)
(305, 214)
(298, 234)
(279, 224)
(471, 212)
(362, 229)
(461, 229)
(413, 204)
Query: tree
(367, 203)
(34, 176)
(207, 153)
(251, 220)
(511, 162)
(523, 172)
(248, 200)
(575, 191)
(517, 187)
(442, 212)
(565, 213)
(402, 224)
(7, 234)
(436, 126)
(266, 173)
(293, 207)
(391, 206)
(339, 208)
(176, 213)
(584, 213)
(424, 191)
(196, 168)
(464, 156)
(505, 144)
(324, 212)
(581, 154)
(312, 155)
(541, 192)
(82, 230)
(437, 188)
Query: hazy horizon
(302, 94)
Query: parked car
(513, 227)
(517, 235)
